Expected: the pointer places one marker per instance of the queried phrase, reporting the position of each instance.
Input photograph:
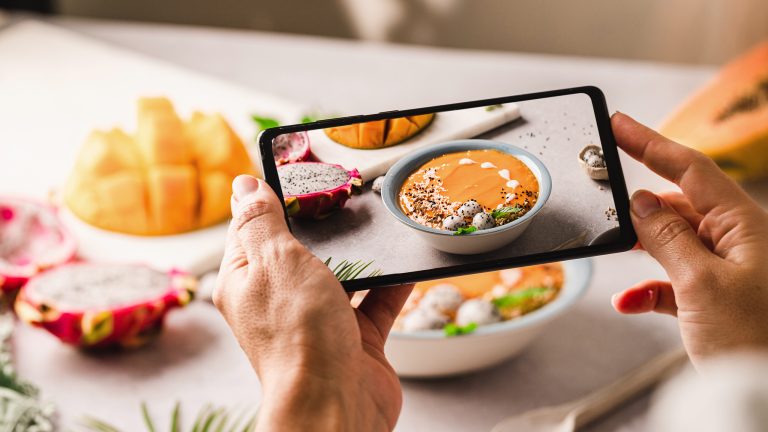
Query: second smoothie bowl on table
(467, 196)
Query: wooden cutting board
(56, 86)
(446, 126)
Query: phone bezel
(627, 237)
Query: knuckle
(667, 230)
(250, 211)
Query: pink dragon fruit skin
(323, 188)
(130, 324)
(32, 239)
(291, 147)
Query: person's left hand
(320, 361)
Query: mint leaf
(505, 212)
(518, 297)
(452, 329)
(465, 230)
(264, 122)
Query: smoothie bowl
(465, 323)
(467, 196)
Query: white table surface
(196, 360)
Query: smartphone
(426, 193)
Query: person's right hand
(712, 240)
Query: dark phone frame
(627, 237)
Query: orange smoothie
(496, 180)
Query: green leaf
(348, 270)
(493, 107)
(308, 119)
(96, 425)
(519, 297)
(465, 230)
(147, 418)
(452, 329)
(264, 122)
(175, 418)
(506, 212)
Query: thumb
(666, 235)
(257, 214)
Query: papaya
(170, 177)
(727, 119)
(379, 133)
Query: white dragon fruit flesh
(94, 305)
(32, 239)
(316, 189)
(291, 147)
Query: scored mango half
(379, 133)
(170, 177)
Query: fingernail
(644, 203)
(244, 185)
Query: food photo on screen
(455, 187)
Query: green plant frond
(208, 419)
(96, 425)
(175, 418)
(349, 270)
(147, 418)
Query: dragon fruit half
(102, 305)
(315, 189)
(290, 148)
(32, 238)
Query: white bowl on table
(429, 353)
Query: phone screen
(457, 189)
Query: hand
(320, 362)
(711, 239)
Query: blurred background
(684, 31)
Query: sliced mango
(170, 178)
(379, 133)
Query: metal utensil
(570, 416)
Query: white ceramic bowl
(430, 353)
(479, 241)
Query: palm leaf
(147, 418)
(208, 419)
(349, 270)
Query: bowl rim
(578, 274)
(544, 179)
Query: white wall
(692, 31)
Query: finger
(706, 186)
(257, 215)
(382, 305)
(647, 296)
(668, 237)
(680, 204)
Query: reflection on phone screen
(454, 187)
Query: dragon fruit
(103, 305)
(315, 189)
(32, 238)
(290, 148)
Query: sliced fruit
(379, 133)
(316, 189)
(32, 239)
(102, 305)
(728, 118)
